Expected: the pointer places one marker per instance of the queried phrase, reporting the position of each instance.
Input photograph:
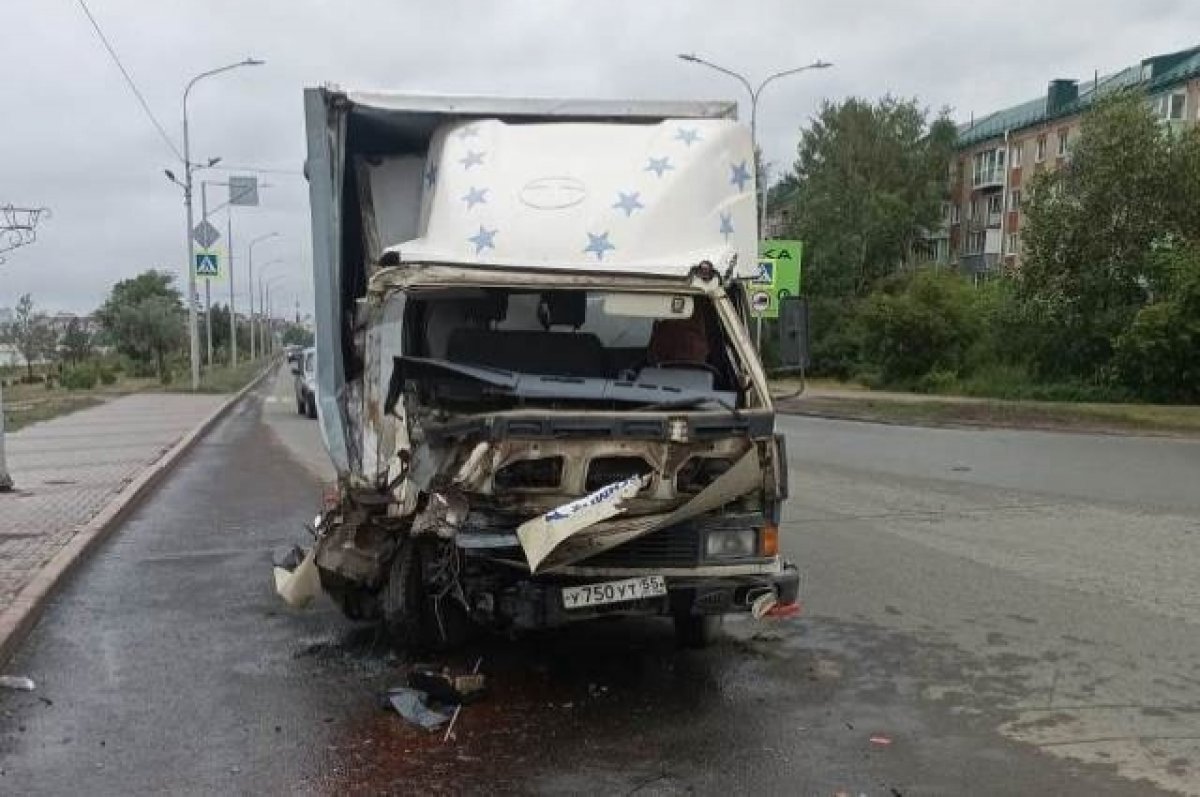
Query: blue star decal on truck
(739, 175)
(484, 239)
(598, 244)
(727, 225)
(473, 159)
(629, 202)
(476, 196)
(688, 135)
(658, 166)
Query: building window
(1015, 158)
(955, 211)
(995, 204)
(1041, 149)
(1170, 107)
(1063, 135)
(1014, 199)
(941, 250)
(976, 242)
(1014, 242)
(974, 215)
(989, 166)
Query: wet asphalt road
(1004, 631)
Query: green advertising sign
(778, 276)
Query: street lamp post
(250, 283)
(755, 93)
(188, 168)
(271, 311)
(759, 166)
(262, 304)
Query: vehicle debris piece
(443, 515)
(18, 682)
(300, 586)
(411, 704)
(879, 740)
(458, 708)
(445, 687)
(539, 536)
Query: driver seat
(679, 340)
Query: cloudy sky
(73, 138)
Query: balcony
(989, 178)
(978, 263)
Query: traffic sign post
(208, 265)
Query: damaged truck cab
(534, 373)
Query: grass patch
(1062, 416)
(221, 379)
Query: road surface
(1001, 612)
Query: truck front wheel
(698, 630)
(403, 598)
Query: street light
(262, 336)
(250, 282)
(188, 168)
(754, 95)
(268, 331)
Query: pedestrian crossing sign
(208, 265)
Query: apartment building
(998, 153)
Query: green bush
(81, 377)
(1158, 355)
(836, 337)
(107, 375)
(918, 322)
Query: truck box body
(533, 366)
(367, 173)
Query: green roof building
(981, 224)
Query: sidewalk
(66, 470)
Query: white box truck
(534, 375)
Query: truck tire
(402, 598)
(698, 631)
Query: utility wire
(129, 80)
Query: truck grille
(675, 546)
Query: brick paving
(67, 469)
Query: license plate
(629, 589)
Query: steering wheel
(687, 364)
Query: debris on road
(454, 719)
(432, 692)
(879, 740)
(300, 585)
(411, 704)
(444, 687)
(18, 682)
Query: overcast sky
(73, 138)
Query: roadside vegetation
(1106, 305)
(136, 341)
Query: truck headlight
(729, 543)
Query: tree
(144, 318)
(76, 342)
(870, 179)
(1092, 227)
(30, 333)
(297, 335)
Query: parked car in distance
(304, 369)
(292, 353)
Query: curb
(18, 619)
